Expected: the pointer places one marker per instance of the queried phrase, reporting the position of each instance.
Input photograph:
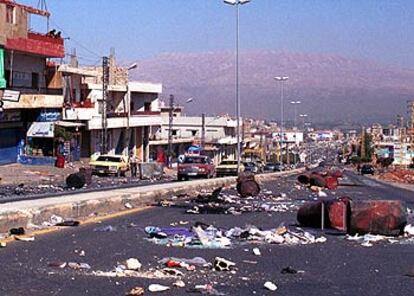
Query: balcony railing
(82, 104)
(134, 113)
(39, 44)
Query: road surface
(337, 267)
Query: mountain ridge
(331, 87)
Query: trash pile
(368, 240)
(398, 175)
(209, 237)
(227, 203)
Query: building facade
(26, 78)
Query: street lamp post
(127, 106)
(303, 116)
(237, 3)
(295, 104)
(281, 79)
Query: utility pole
(170, 130)
(363, 148)
(203, 130)
(105, 83)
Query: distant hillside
(332, 88)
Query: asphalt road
(337, 267)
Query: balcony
(38, 44)
(120, 120)
(84, 110)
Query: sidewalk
(15, 174)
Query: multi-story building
(132, 109)
(27, 94)
(219, 135)
(392, 141)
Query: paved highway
(337, 267)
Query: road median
(26, 213)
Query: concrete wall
(26, 65)
(17, 30)
(138, 101)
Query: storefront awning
(69, 124)
(41, 130)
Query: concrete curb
(82, 206)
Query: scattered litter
(78, 266)
(207, 289)
(17, 231)
(409, 230)
(3, 244)
(291, 270)
(137, 291)
(57, 264)
(82, 253)
(221, 264)
(157, 288)
(68, 223)
(108, 228)
(24, 238)
(128, 205)
(256, 251)
(133, 264)
(173, 272)
(179, 284)
(322, 194)
(270, 286)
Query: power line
(74, 40)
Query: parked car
(251, 167)
(273, 167)
(367, 169)
(110, 164)
(228, 168)
(194, 166)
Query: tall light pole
(281, 79)
(127, 106)
(303, 116)
(295, 104)
(237, 3)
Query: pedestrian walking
(133, 164)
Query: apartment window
(10, 19)
(35, 80)
(147, 107)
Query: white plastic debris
(133, 264)
(322, 194)
(128, 205)
(179, 284)
(157, 288)
(257, 252)
(409, 230)
(270, 286)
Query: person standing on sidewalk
(133, 164)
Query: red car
(195, 166)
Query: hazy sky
(381, 30)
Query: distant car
(195, 166)
(367, 169)
(251, 167)
(110, 164)
(273, 167)
(228, 168)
